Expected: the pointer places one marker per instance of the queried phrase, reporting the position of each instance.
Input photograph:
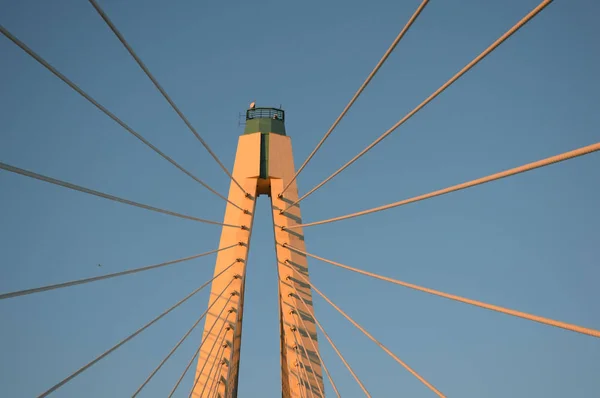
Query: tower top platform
(265, 120)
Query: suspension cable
(464, 70)
(497, 176)
(306, 383)
(219, 355)
(298, 380)
(301, 384)
(314, 347)
(185, 336)
(287, 365)
(131, 336)
(384, 348)
(308, 358)
(79, 188)
(229, 370)
(297, 375)
(360, 90)
(107, 276)
(141, 64)
(202, 343)
(85, 95)
(184, 372)
(212, 383)
(213, 393)
(524, 315)
(362, 386)
(312, 369)
(211, 351)
(218, 359)
(302, 369)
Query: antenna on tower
(241, 119)
(242, 116)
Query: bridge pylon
(263, 165)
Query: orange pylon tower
(264, 165)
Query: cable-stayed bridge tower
(264, 165)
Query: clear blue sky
(529, 242)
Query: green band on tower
(265, 121)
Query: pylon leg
(246, 171)
(301, 374)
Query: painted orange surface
(297, 350)
(246, 171)
(301, 372)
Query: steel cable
(493, 177)
(89, 191)
(141, 64)
(185, 336)
(503, 310)
(317, 352)
(107, 276)
(454, 78)
(128, 338)
(337, 351)
(201, 345)
(360, 90)
(85, 95)
(384, 348)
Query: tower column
(301, 368)
(263, 166)
(246, 171)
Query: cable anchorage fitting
(237, 276)
(245, 228)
